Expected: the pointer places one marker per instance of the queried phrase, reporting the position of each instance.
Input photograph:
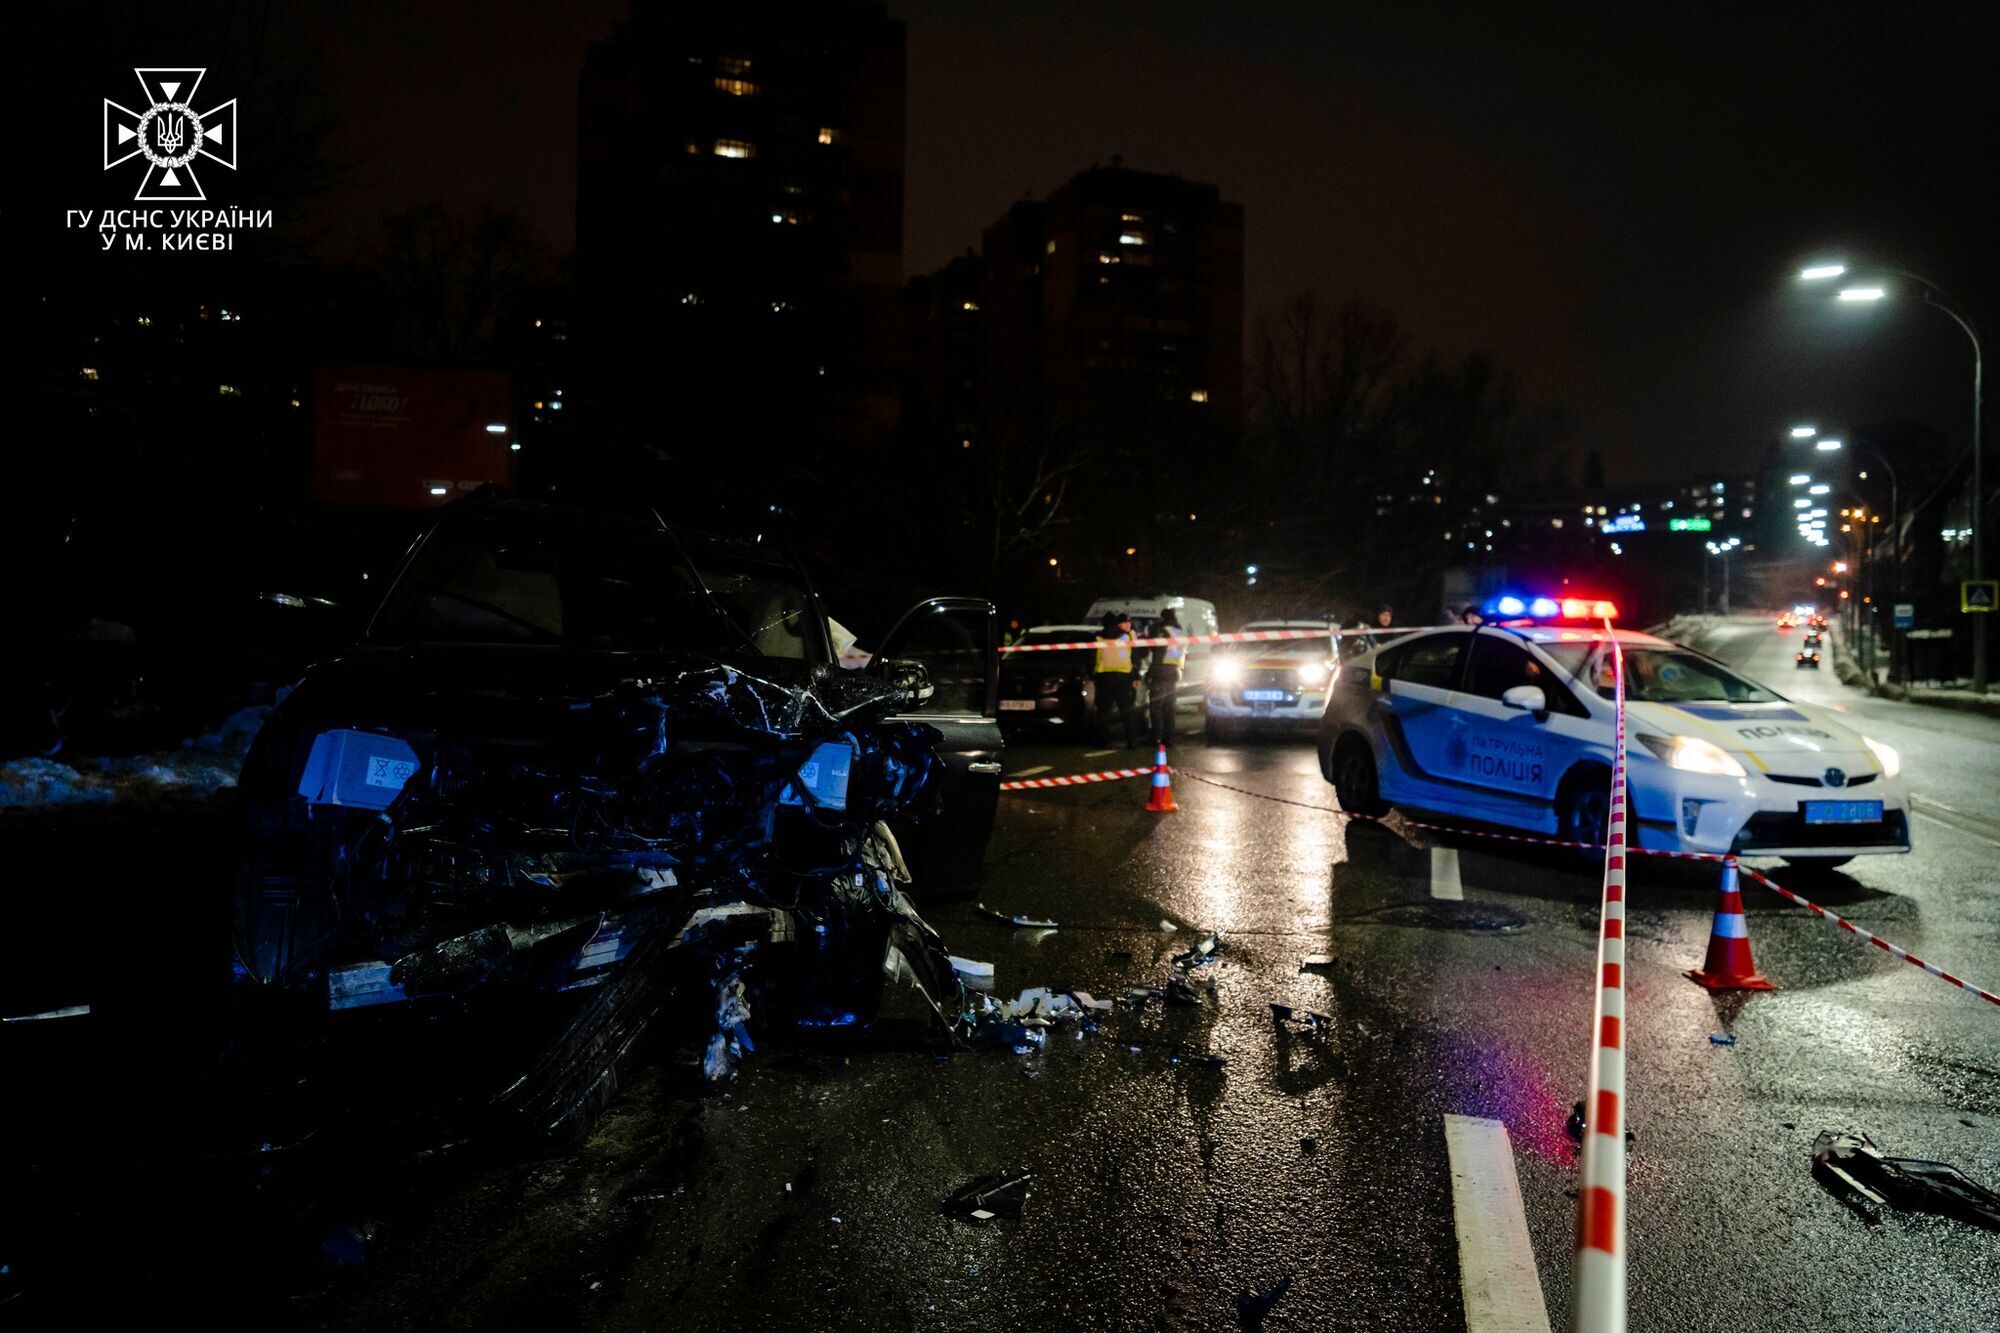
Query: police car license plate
(1263, 696)
(1017, 705)
(1842, 812)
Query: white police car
(1514, 724)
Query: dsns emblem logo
(170, 134)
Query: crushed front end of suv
(579, 765)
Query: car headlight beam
(1312, 674)
(1225, 671)
(1885, 755)
(1692, 754)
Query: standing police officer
(1163, 678)
(1114, 679)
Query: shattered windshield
(513, 579)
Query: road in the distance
(1951, 759)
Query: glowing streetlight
(1862, 293)
(1804, 432)
(1815, 272)
(1801, 479)
(1826, 446)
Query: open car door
(957, 642)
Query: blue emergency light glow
(1512, 607)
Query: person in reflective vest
(1163, 678)
(1114, 680)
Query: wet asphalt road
(808, 1195)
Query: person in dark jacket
(1163, 677)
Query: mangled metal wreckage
(544, 847)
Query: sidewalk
(1936, 696)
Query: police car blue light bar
(1510, 606)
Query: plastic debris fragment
(1003, 1194)
(1252, 1307)
(971, 971)
(1301, 1019)
(1316, 962)
(1202, 953)
(1722, 1038)
(1025, 922)
(1855, 1162)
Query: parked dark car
(577, 761)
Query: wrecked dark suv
(580, 762)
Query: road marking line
(1445, 882)
(1496, 1260)
(1097, 754)
(1030, 772)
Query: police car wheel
(1583, 807)
(1355, 784)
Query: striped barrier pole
(1598, 1294)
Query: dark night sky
(1609, 199)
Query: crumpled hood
(1779, 737)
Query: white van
(1196, 617)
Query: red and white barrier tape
(1875, 940)
(1076, 779)
(1530, 840)
(1598, 1291)
(1238, 636)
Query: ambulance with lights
(1514, 722)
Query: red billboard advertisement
(402, 437)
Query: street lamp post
(1935, 298)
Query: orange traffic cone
(1162, 799)
(1728, 965)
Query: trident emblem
(170, 134)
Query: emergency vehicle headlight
(1225, 671)
(1892, 763)
(1692, 754)
(1312, 673)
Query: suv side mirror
(912, 677)
(1527, 698)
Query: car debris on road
(1852, 1163)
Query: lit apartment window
(1130, 217)
(785, 218)
(90, 372)
(1107, 259)
(1050, 248)
(229, 391)
(734, 148)
(733, 64)
(1133, 238)
(736, 87)
(968, 305)
(827, 134)
(1197, 395)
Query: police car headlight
(1312, 673)
(1692, 754)
(1892, 763)
(1225, 671)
